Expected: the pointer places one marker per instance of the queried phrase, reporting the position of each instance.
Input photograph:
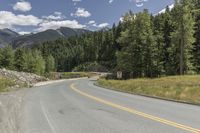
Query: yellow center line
(133, 111)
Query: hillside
(8, 36)
(48, 35)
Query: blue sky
(26, 16)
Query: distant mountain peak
(6, 36)
(48, 35)
(6, 30)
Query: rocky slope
(22, 77)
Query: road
(77, 106)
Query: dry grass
(184, 88)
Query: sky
(26, 16)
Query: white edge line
(48, 118)
(55, 81)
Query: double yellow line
(133, 111)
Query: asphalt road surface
(77, 106)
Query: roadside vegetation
(26, 60)
(6, 84)
(183, 88)
(69, 75)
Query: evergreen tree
(19, 59)
(1, 56)
(38, 63)
(183, 35)
(7, 58)
(196, 50)
(50, 64)
(28, 61)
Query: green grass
(183, 88)
(5, 84)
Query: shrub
(90, 67)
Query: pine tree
(38, 62)
(7, 58)
(183, 35)
(50, 64)
(1, 56)
(19, 61)
(125, 56)
(196, 51)
(145, 45)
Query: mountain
(48, 35)
(67, 32)
(29, 40)
(6, 36)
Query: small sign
(119, 74)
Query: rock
(22, 77)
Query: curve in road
(77, 106)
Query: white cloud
(45, 25)
(111, 1)
(139, 3)
(24, 32)
(81, 12)
(94, 24)
(55, 16)
(55, 21)
(91, 22)
(58, 13)
(76, 0)
(22, 6)
(8, 20)
(103, 25)
(121, 19)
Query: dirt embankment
(22, 77)
(11, 102)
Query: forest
(142, 45)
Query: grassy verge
(5, 84)
(182, 88)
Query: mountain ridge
(8, 36)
